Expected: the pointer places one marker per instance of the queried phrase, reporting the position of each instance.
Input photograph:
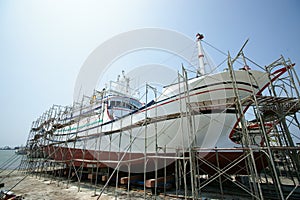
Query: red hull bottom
(231, 162)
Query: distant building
(6, 148)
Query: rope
(215, 48)
(223, 53)
(7, 175)
(18, 182)
(29, 171)
(14, 158)
(254, 63)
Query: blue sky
(43, 44)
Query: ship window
(117, 104)
(112, 103)
(122, 104)
(135, 104)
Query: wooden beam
(150, 183)
(124, 180)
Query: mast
(201, 70)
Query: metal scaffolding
(268, 171)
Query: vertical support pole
(220, 177)
(191, 137)
(129, 164)
(165, 171)
(183, 171)
(176, 173)
(100, 139)
(246, 139)
(145, 143)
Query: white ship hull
(202, 118)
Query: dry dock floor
(36, 188)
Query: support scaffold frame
(275, 114)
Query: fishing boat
(113, 128)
